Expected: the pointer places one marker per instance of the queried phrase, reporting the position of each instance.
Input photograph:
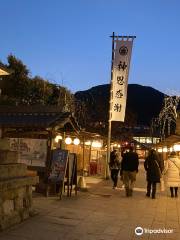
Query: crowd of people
(126, 164)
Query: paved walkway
(101, 214)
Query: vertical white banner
(121, 66)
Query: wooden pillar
(48, 161)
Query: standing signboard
(59, 168)
(72, 175)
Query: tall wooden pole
(89, 159)
(110, 106)
(83, 155)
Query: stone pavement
(101, 213)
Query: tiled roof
(33, 118)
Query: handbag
(162, 184)
(160, 173)
(176, 166)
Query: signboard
(32, 152)
(59, 165)
(58, 170)
(121, 65)
(72, 175)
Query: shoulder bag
(176, 166)
(162, 185)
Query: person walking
(172, 172)
(154, 167)
(114, 165)
(129, 169)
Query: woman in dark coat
(153, 167)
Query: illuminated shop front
(90, 152)
(148, 140)
(32, 132)
(143, 144)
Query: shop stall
(33, 132)
(90, 151)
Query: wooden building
(36, 126)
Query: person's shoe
(130, 192)
(172, 192)
(127, 192)
(176, 193)
(153, 197)
(147, 195)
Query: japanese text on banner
(121, 65)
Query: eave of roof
(4, 71)
(52, 120)
(169, 141)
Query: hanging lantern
(76, 141)
(68, 140)
(57, 138)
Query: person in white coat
(172, 172)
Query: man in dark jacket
(129, 169)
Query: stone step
(7, 157)
(9, 171)
(16, 183)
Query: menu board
(59, 165)
(63, 171)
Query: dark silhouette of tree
(19, 88)
(39, 91)
(16, 84)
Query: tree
(19, 88)
(168, 114)
(81, 113)
(38, 91)
(15, 85)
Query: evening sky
(68, 42)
